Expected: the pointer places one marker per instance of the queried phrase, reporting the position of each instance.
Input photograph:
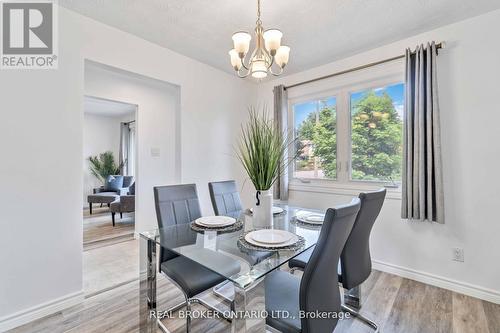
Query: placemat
(230, 228)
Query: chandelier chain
(258, 12)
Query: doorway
(109, 175)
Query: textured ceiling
(103, 107)
(318, 31)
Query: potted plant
(103, 166)
(261, 151)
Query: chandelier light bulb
(272, 39)
(235, 59)
(259, 69)
(241, 42)
(282, 56)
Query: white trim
(350, 189)
(468, 289)
(39, 311)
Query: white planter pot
(263, 209)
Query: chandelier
(268, 51)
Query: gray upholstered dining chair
(314, 292)
(179, 204)
(225, 198)
(226, 202)
(355, 261)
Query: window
(315, 125)
(376, 133)
(355, 135)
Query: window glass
(376, 133)
(315, 125)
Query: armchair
(107, 195)
(125, 204)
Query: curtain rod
(354, 69)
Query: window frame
(342, 89)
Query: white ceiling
(318, 31)
(103, 107)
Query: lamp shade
(282, 56)
(235, 59)
(272, 39)
(259, 69)
(241, 42)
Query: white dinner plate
(215, 221)
(271, 236)
(285, 239)
(311, 218)
(276, 210)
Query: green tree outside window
(376, 135)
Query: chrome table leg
(249, 307)
(147, 288)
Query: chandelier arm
(276, 74)
(269, 68)
(243, 75)
(243, 65)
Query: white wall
(468, 72)
(100, 134)
(41, 143)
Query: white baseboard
(25, 316)
(439, 281)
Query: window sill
(349, 189)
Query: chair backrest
(225, 198)
(355, 261)
(128, 180)
(317, 292)
(175, 204)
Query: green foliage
(322, 132)
(261, 150)
(103, 166)
(376, 138)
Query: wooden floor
(398, 305)
(98, 228)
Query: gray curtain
(422, 195)
(124, 148)
(281, 123)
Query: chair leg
(352, 297)
(113, 218)
(90, 207)
(188, 316)
(358, 315)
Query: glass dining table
(254, 263)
